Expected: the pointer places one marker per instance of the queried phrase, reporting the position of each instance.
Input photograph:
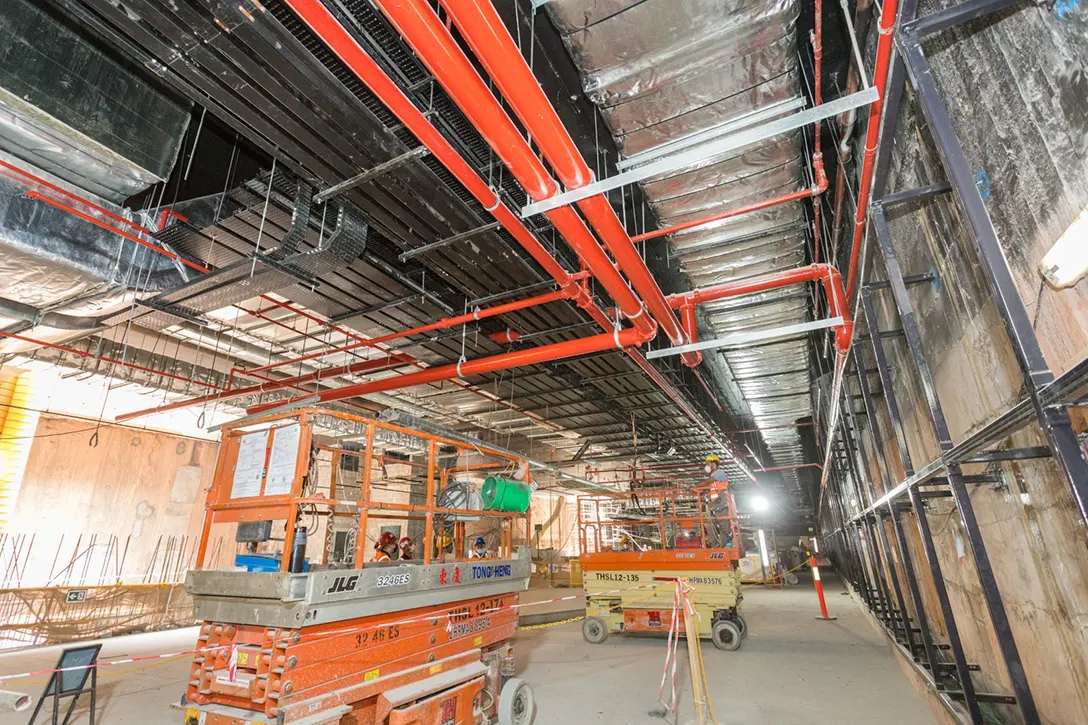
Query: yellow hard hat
(713, 457)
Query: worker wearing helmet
(385, 547)
(479, 548)
(407, 549)
(714, 469)
(443, 543)
(718, 530)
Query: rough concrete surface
(792, 669)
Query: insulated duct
(666, 76)
(72, 106)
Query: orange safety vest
(381, 556)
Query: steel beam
(1011, 454)
(701, 153)
(1054, 421)
(918, 194)
(909, 279)
(941, 590)
(426, 248)
(991, 592)
(507, 294)
(745, 338)
(748, 120)
(382, 168)
(959, 14)
(882, 465)
(864, 490)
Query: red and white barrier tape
(324, 635)
(670, 652)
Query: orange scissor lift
(635, 539)
(328, 637)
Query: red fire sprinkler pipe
(443, 324)
(571, 280)
(432, 41)
(32, 179)
(489, 39)
(326, 27)
(817, 165)
(687, 315)
(367, 366)
(329, 30)
(389, 360)
(569, 283)
(519, 358)
(827, 275)
(532, 177)
(814, 192)
(37, 195)
(872, 135)
(817, 155)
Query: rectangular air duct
(71, 106)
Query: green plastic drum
(505, 495)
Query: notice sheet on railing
(249, 468)
(283, 460)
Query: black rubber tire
(516, 703)
(594, 630)
(726, 635)
(742, 624)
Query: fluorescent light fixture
(1067, 261)
(759, 503)
(815, 544)
(763, 549)
(672, 451)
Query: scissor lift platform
(338, 639)
(666, 535)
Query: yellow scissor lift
(633, 540)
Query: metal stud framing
(854, 513)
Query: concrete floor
(792, 669)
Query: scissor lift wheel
(516, 704)
(726, 635)
(594, 630)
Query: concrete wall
(141, 487)
(1014, 87)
